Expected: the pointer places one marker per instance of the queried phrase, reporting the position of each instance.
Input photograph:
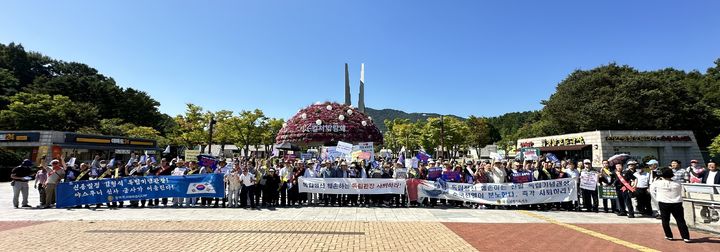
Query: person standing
(55, 174)
(696, 172)
(286, 174)
(233, 181)
(681, 175)
(272, 185)
(179, 170)
(20, 176)
(641, 184)
(310, 172)
(711, 176)
(607, 179)
(84, 174)
(669, 196)
(40, 179)
(589, 196)
(247, 190)
(164, 170)
(624, 189)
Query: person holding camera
(20, 176)
(669, 196)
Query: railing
(706, 197)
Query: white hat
(587, 161)
(343, 163)
(431, 161)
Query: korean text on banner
(351, 185)
(344, 148)
(88, 192)
(588, 180)
(547, 191)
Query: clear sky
(480, 58)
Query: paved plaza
(330, 229)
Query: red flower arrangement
(326, 124)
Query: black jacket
(705, 178)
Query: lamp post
(442, 136)
(210, 131)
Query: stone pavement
(329, 229)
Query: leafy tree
(270, 131)
(9, 85)
(223, 132)
(45, 112)
(481, 132)
(191, 125)
(248, 125)
(715, 147)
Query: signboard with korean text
(351, 185)
(88, 192)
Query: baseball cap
(652, 162)
(693, 161)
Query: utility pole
(442, 136)
(210, 129)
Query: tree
(616, 97)
(190, 131)
(223, 132)
(270, 131)
(401, 132)
(9, 85)
(481, 132)
(44, 112)
(715, 147)
(248, 127)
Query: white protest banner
(191, 155)
(351, 185)
(411, 162)
(547, 191)
(344, 148)
(588, 180)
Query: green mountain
(379, 116)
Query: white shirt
(179, 171)
(711, 177)
(247, 180)
(285, 174)
(666, 191)
(643, 180)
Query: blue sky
(480, 58)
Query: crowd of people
(255, 183)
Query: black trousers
(624, 201)
(245, 192)
(283, 194)
(590, 200)
(258, 194)
(676, 210)
(643, 201)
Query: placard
(344, 148)
(351, 185)
(191, 155)
(588, 180)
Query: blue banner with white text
(90, 192)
